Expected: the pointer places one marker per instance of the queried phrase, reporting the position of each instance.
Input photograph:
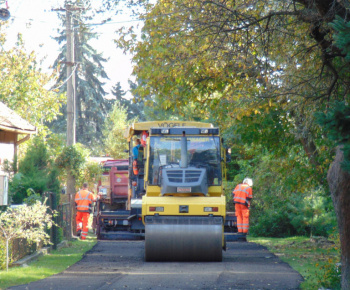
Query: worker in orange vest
(242, 196)
(83, 203)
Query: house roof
(10, 121)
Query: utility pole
(70, 108)
(71, 79)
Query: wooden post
(70, 79)
(70, 106)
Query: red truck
(112, 219)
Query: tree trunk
(310, 150)
(339, 185)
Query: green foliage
(286, 197)
(232, 168)
(10, 167)
(28, 222)
(342, 35)
(312, 214)
(90, 173)
(329, 272)
(150, 108)
(71, 159)
(225, 62)
(268, 127)
(314, 258)
(336, 124)
(60, 237)
(115, 127)
(329, 275)
(36, 158)
(273, 223)
(32, 197)
(2, 252)
(135, 107)
(37, 173)
(23, 85)
(299, 215)
(74, 160)
(55, 143)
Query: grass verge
(316, 259)
(47, 265)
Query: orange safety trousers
(242, 214)
(82, 219)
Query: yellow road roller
(180, 166)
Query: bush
(35, 172)
(2, 253)
(331, 275)
(272, 223)
(72, 159)
(26, 222)
(60, 236)
(32, 197)
(228, 188)
(90, 173)
(303, 215)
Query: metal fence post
(52, 203)
(73, 223)
(54, 229)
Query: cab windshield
(202, 152)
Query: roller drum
(183, 238)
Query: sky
(38, 24)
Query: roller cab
(183, 209)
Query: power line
(55, 88)
(53, 23)
(87, 24)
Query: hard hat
(248, 181)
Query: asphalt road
(121, 265)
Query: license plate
(184, 189)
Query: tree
(115, 127)
(71, 160)
(135, 107)
(23, 86)
(27, 222)
(238, 59)
(91, 105)
(342, 35)
(74, 160)
(90, 173)
(337, 127)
